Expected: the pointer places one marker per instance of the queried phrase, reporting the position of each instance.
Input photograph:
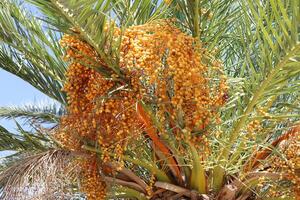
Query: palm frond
(24, 141)
(271, 61)
(277, 71)
(47, 113)
(9, 141)
(139, 12)
(213, 20)
(45, 175)
(31, 52)
(81, 16)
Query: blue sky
(15, 91)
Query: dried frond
(45, 175)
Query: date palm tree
(245, 144)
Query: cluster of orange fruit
(172, 77)
(91, 181)
(162, 66)
(287, 163)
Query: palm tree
(244, 144)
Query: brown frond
(46, 175)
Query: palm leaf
(34, 113)
(139, 12)
(23, 142)
(31, 52)
(198, 178)
(271, 61)
(81, 16)
(43, 175)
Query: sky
(16, 92)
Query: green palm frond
(31, 52)
(9, 141)
(213, 20)
(272, 58)
(188, 13)
(49, 113)
(270, 66)
(87, 19)
(139, 12)
(24, 141)
(219, 24)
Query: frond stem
(196, 19)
